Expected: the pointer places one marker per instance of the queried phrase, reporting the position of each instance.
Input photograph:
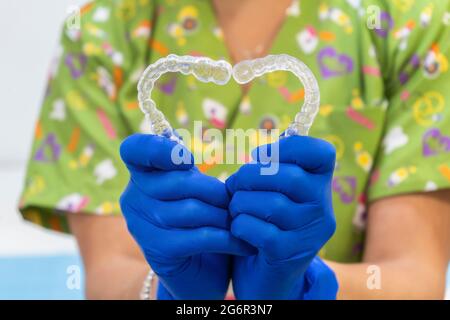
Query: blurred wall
(29, 31)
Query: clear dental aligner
(220, 72)
(204, 69)
(245, 71)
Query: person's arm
(115, 267)
(408, 238)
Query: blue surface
(41, 277)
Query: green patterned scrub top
(384, 101)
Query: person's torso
(328, 38)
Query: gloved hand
(179, 218)
(288, 216)
(319, 282)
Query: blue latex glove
(320, 282)
(179, 218)
(288, 216)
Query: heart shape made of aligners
(220, 72)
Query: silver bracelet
(146, 291)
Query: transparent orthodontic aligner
(204, 69)
(245, 71)
(220, 72)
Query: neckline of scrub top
(278, 45)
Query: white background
(29, 33)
